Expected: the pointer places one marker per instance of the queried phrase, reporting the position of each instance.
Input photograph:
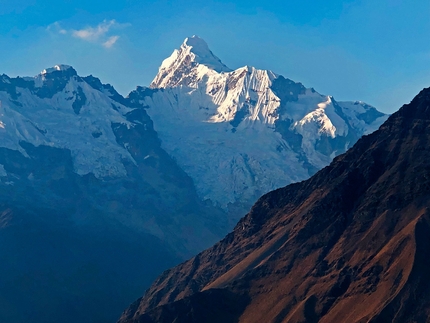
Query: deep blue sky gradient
(376, 51)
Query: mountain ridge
(348, 244)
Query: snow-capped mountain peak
(59, 67)
(241, 133)
(59, 74)
(186, 62)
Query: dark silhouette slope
(351, 244)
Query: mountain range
(100, 192)
(85, 190)
(350, 244)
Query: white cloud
(110, 42)
(100, 34)
(56, 28)
(94, 33)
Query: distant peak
(59, 67)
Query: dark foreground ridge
(350, 244)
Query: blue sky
(374, 51)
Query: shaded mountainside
(350, 244)
(92, 209)
(54, 271)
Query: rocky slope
(241, 133)
(85, 190)
(350, 244)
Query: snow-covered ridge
(70, 114)
(241, 133)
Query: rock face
(91, 207)
(350, 244)
(241, 133)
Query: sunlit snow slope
(241, 133)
